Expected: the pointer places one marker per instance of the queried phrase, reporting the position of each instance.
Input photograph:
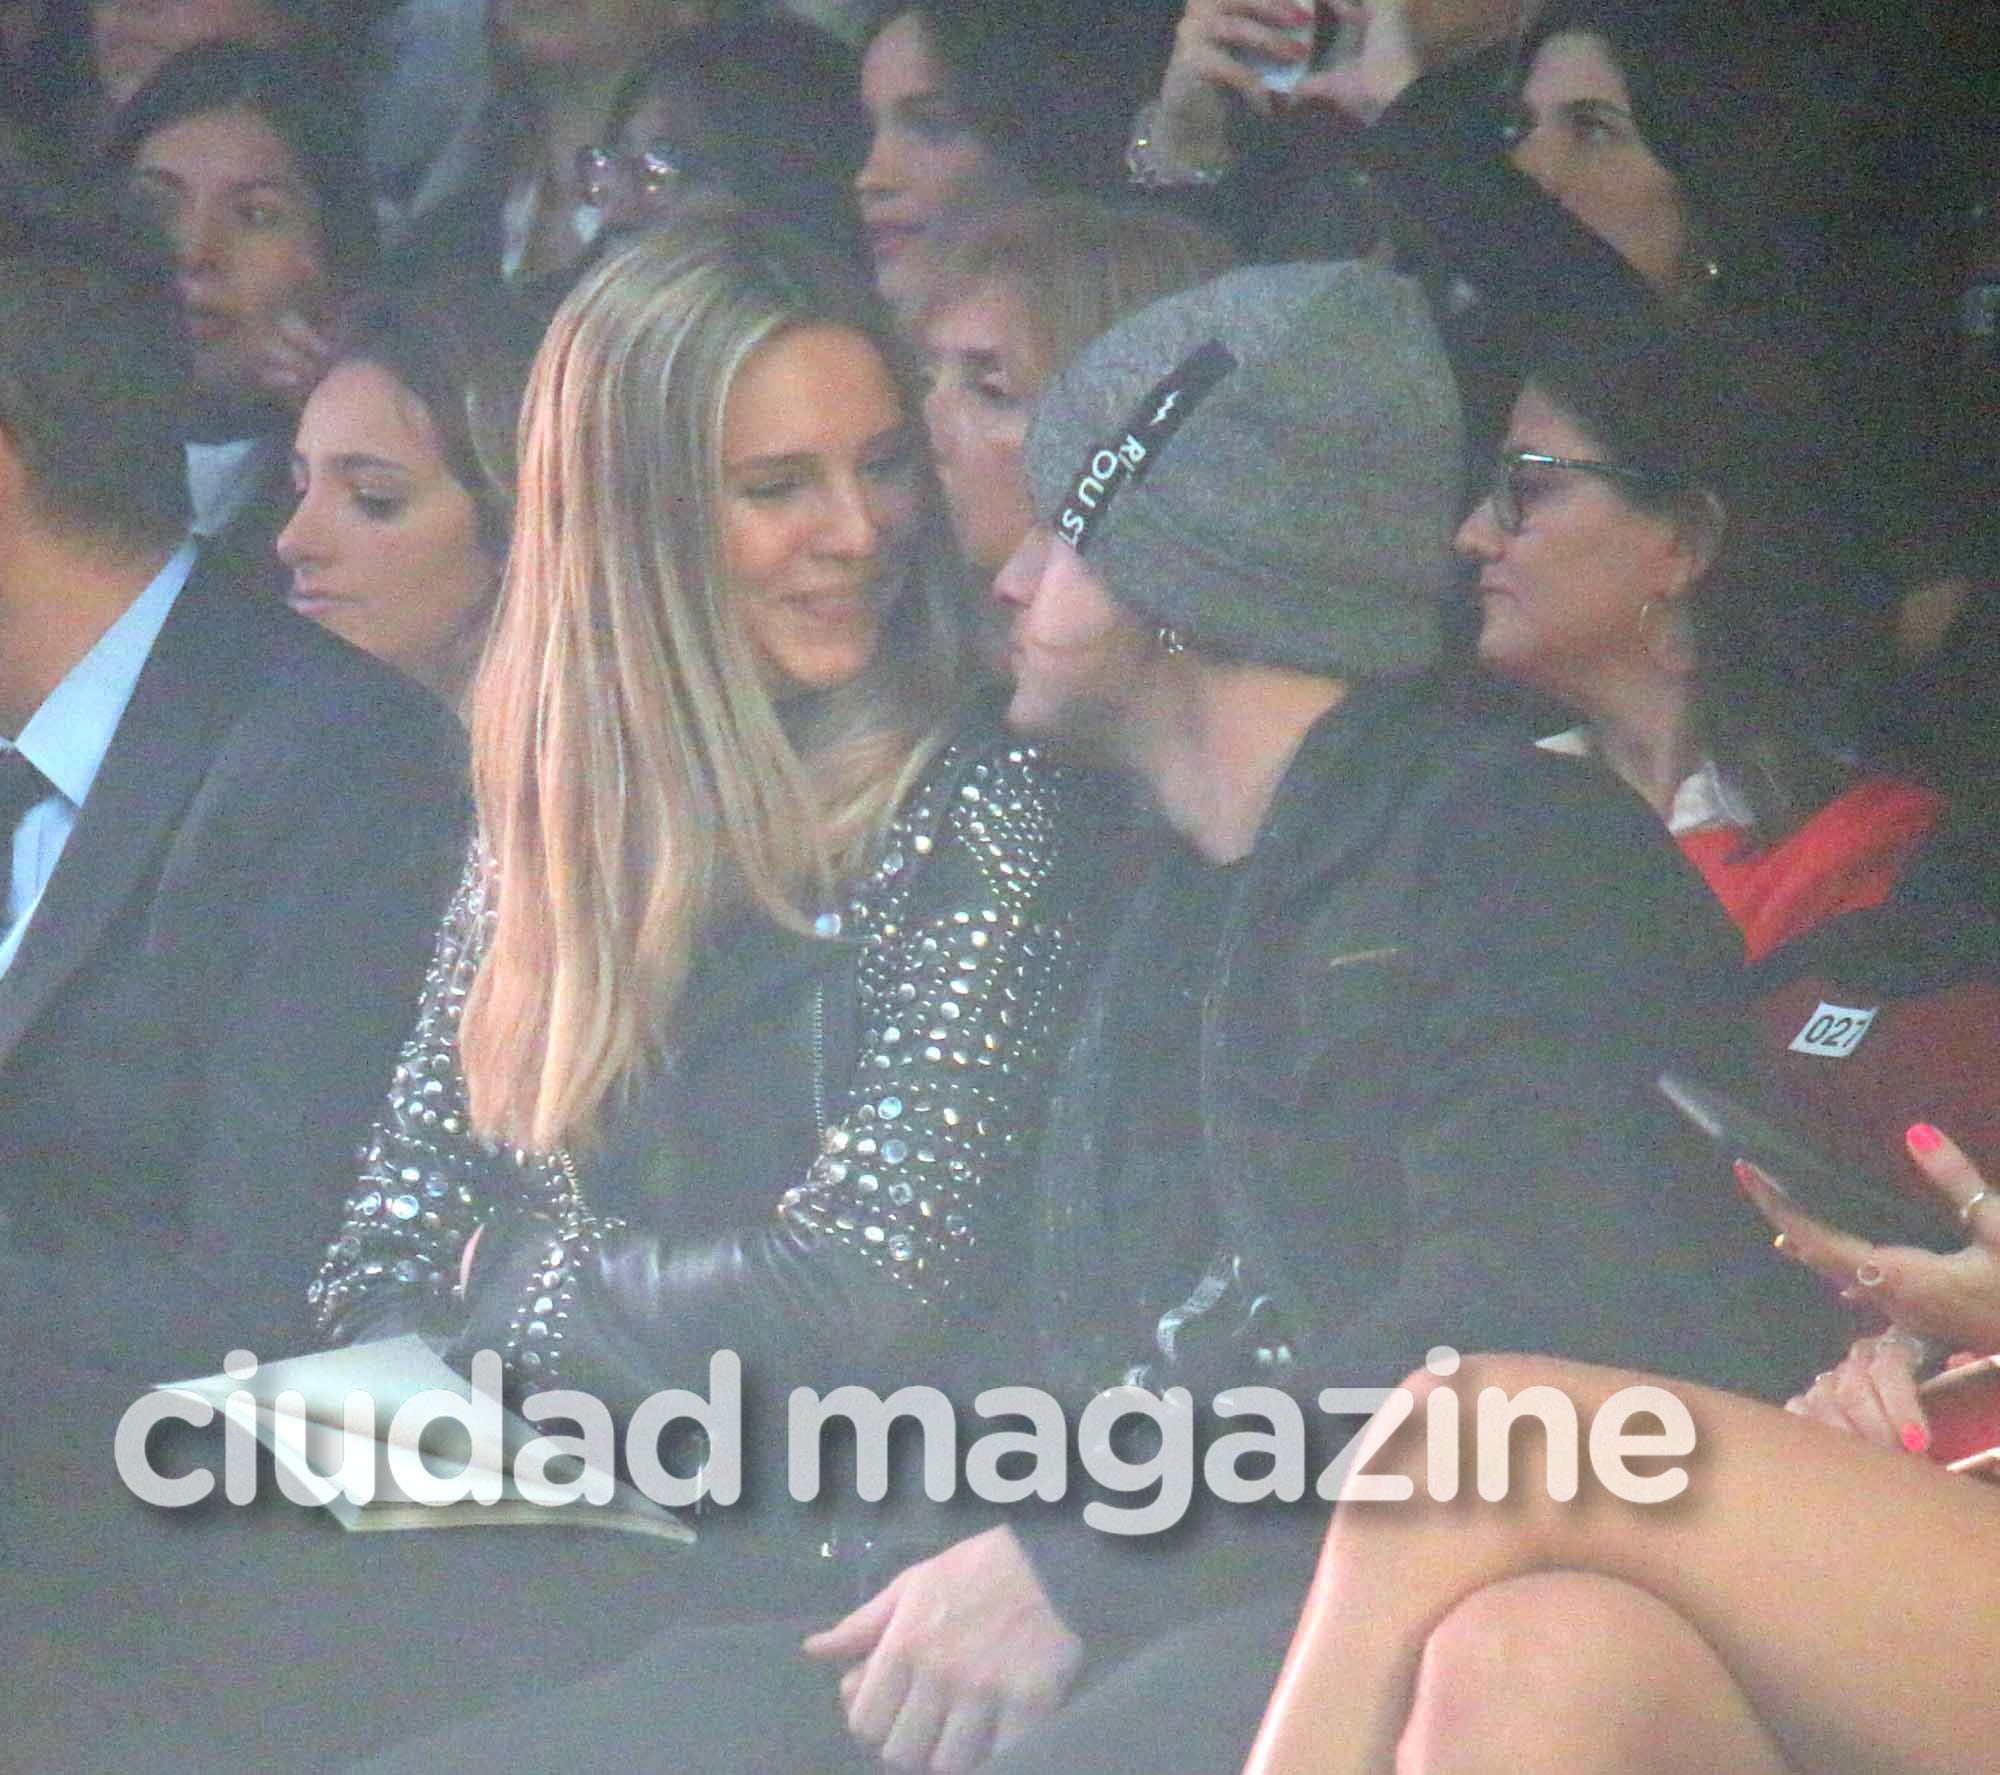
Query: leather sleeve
(425, 1181)
(963, 956)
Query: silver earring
(1172, 641)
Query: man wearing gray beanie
(1367, 1069)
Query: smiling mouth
(887, 239)
(839, 610)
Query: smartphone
(1852, 1201)
(1963, 1406)
(1324, 49)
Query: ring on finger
(1966, 1207)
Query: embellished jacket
(821, 1171)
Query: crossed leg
(1809, 1603)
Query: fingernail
(1916, 1438)
(1869, 1275)
(1923, 1138)
(1746, 1174)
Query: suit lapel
(187, 693)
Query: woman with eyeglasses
(754, 117)
(1640, 159)
(525, 217)
(1655, 552)
(1659, 553)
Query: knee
(1559, 1658)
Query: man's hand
(954, 1658)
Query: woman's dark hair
(1727, 99)
(309, 109)
(1793, 139)
(1049, 85)
(1787, 646)
(467, 360)
(779, 116)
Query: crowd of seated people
(1104, 685)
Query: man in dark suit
(224, 840)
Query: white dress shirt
(67, 737)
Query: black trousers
(743, 1701)
(265, 1640)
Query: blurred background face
(1563, 602)
(384, 545)
(925, 162)
(130, 39)
(590, 35)
(246, 237)
(820, 476)
(986, 359)
(666, 164)
(1581, 144)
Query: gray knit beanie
(1270, 464)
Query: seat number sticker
(1833, 1031)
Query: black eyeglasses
(1514, 490)
(648, 172)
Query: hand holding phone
(1951, 1297)
(1249, 47)
(1853, 1201)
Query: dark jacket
(209, 996)
(1445, 978)
(823, 1174)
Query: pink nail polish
(1916, 1438)
(1746, 1174)
(1923, 1138)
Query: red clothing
(1874, 1007)
(1846, 858)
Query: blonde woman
(735, 1027)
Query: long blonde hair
(630, 766)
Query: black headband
(1153, 422)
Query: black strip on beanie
(1153, 422)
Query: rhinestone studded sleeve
(425, 1180)
(960, 971)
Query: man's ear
(16, 485)
(1701, 523)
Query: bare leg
(1576, 1675)
(1847, 1592)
